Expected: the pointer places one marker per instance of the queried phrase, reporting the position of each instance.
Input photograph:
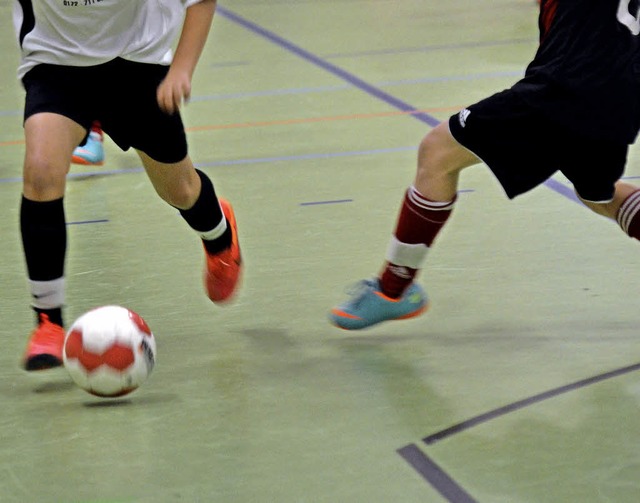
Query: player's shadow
(132, 401)
(54, 387)
(107, 403)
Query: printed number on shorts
(631, 22)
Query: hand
(173, 91)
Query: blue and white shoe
(91, 153)
(368, 306)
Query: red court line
(286, 122)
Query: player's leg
(624, 208)
(91, 152)
(506, 134)
(595, 172)
(425, 209)
(136, 121)
(192, 193)
(50, 139)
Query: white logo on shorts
(462, 116)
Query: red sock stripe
(628, 211)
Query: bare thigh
(50, 139)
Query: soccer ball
(109, 351)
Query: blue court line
(449, 78)
(430, 48)
(325, 65)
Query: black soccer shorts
(120, 94)
(523, 148)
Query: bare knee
(43, 178)
(440, 160)
(610, 208)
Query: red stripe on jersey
(548, 10)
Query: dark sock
(55, 315)
(44, 238)
(419, 222)
(206, 214)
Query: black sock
(44, 238)
(206, 214)
(55, 315)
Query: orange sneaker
(44, 350)
(222, 270)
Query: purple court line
(342, 87)
(233, 162)
(224, 64)
(326, 89)
(81, 222)
(562, 189)
(520, 404)
(357, 82)
(333, 69)
(304, 157)
(435, 475)
(337, 201)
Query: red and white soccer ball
(109, 351)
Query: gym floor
(521, 383)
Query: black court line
(440, 480)
(435, 475)
(520, 404)
(444, 484)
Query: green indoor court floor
(520, 385)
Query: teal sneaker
(91, 153)
(368, 306)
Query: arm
(176, 87)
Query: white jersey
(91, 32)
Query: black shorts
(524, 148)
(120, 94)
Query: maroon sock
(419, 222)
(629, 215)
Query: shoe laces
(49, 328)
(358, 291)
(94, 135)
(223, 257)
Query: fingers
(171, 96)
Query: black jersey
(586, 71)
